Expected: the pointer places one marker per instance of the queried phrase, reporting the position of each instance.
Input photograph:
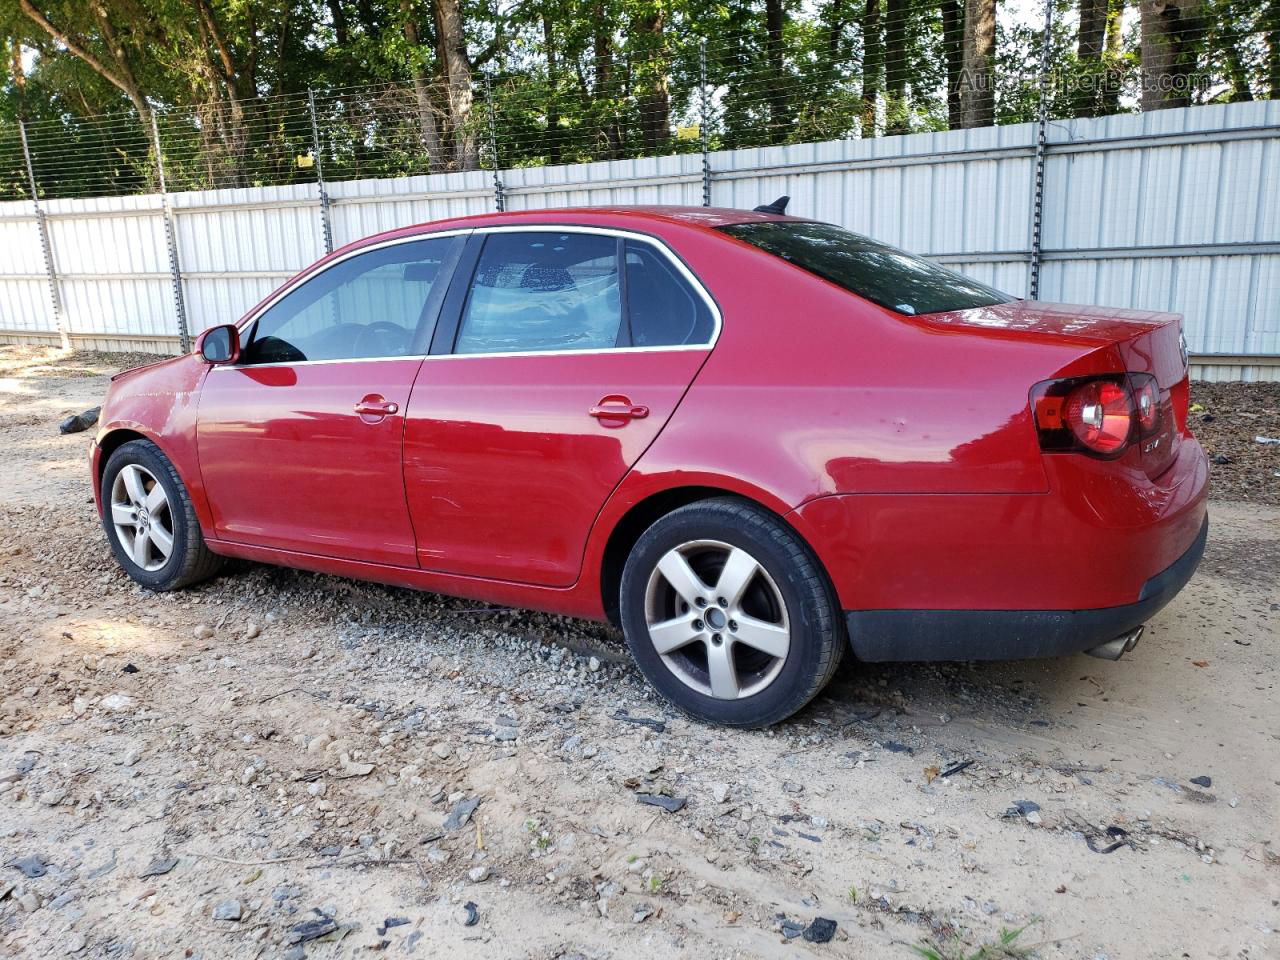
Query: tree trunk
(779, 105)
(953, 43)
(897, 119)
(872, 65)
(1271, 21)
(1167, 57)
(341, 29)
(602, 49)
(1236, 70)
(654, 96)
(553, 103)
(428, 128)
(978, 90)
(1109, 95)
(1085, 99)
(451, 45)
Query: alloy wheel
(142, 517)
(717, 619)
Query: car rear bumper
(882, 635)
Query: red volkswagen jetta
(750, 440)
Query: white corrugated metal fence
(1170, 210)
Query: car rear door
(300, 440)
(560, 355)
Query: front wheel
(729, 615)
(149, 519)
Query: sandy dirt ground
(281, 764)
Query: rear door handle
(375, 407)
(618, 408)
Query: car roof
(642, 218)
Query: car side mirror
(220, 344)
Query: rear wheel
(150, 522)
(729, 615)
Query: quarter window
(662, 309)
(543, 291)
(370, 305)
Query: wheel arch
(644, 512)
(113, 440)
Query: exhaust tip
(1117, 648)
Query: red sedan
(750, 440)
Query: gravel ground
(1228, 418)
(282, 764)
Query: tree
(952, 13)
(872, 64)
(1168, 52)
(978, 86)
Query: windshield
(876, 271)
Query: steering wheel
(374, 339)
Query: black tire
(189, 561)
(817, 631)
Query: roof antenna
(778, 206)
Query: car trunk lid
(1138, 341)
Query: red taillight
(1100, 414)
(1094, 415)
(1146, 400)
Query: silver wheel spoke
(156, 498)
(122, 514)
(133, 484)
(139, 550)
(680, 575)
(770, 638)
(739, 570)
(674, 633)
(161, 538)
(724, 674)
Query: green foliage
(1003, 947)
(535, 82)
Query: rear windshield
(878, 272)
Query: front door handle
(618, 408)
(374, 408)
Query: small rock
(76, 942)
(479, 874)
(820, 931)
(51, 798)
(1202, 781)
(505, 734)
(29, 902)
(116, 702)
(461, 813)
(252, 631)
(593, 665)
(1034, 817)
(720, 792)
(79, 706)
(203, 631)
(158, 867)
(467, 915)
(31, 867)
(228, 910)
(669, 804)
(442, 750)
(132, 756)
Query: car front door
(551, 372)
(300, 439)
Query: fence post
(55, 295)
(1042, 122)
(498, 199)
(171, 241)
(324, 193)
(705, 123)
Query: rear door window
(662, 308)
(875, 271)
(543, 291)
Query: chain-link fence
(881, 73)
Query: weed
(1004, 947)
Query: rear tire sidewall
(147, 455)
(799, 579)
